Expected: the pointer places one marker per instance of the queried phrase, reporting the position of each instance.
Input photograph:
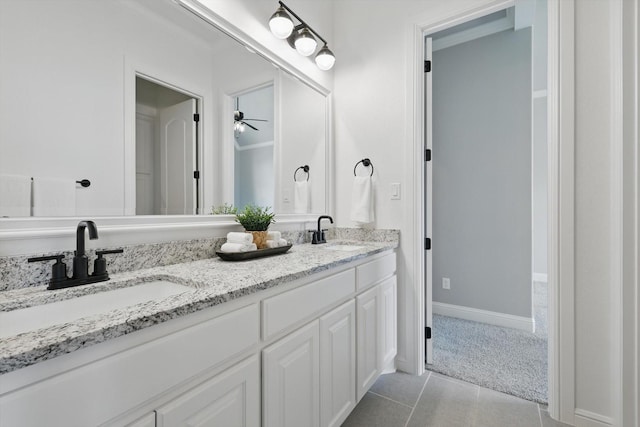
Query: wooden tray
(241, 256)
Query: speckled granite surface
(16, 272)
(213, 282)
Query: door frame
(560, 188)
(154, 75)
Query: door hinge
(427, 155)
(196, 174)
(427, 332)
(427, 66)
(427, 243)
(196, 117)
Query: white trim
(561, 207)
(539, 93)
(616, 207)
(476, 32)
(252, 146)
(585, 418)
(540, 277)
(485, 316)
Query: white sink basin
(56, 313)
(345, 248)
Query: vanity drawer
(281, 311)
(374, 271)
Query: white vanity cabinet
(297, 355)
(231, 399)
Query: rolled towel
(274, 235)
(282, 242)
(272, 244)
(238, 247)
(238, 237)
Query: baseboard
(540, 277)
(484, 316)
(591, 419)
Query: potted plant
(256, 220)
(224, 210)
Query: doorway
(167, 150)
(486, 187)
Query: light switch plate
(395, 191)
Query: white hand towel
(301, 197)
(238, 247)
(274, 235)
(282, 242)
(238, 237)
(54, 197)
(15, 195)
(362, 200)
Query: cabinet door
(368, 340)
(388, 315)
(337, 364)
(230, 399)
(291, 385)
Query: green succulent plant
(224, 210)
(255, 218)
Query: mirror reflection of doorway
(166, 150)
(254, 148)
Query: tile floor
(403, 400)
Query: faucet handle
(100, 264)
(58, 269)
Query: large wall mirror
(139, 97)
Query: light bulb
(325, 59)
(281, 24)
(305, 42)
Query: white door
(145, 139)
(428, 205)
(231, 399)
(337, 364)
(291, 380)
(368, 340)
(178, 158)
(388, 315)
(148, 420)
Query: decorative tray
(241, 256)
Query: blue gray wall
(482, 209)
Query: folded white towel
(54, 197)
(301, 197)
(238, 237)
(238, 247)
(362, 200)
(15, 195)
(274, 235)
(276, 243)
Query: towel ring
(366, 163)
(85, 183)
(305, 168)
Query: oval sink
(41, 316)
(346, 248)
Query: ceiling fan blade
(252, 127)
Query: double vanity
(291, 340)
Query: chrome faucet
(318, 235)
(80, 268)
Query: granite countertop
(213, 281)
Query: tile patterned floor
(434, 400)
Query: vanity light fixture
(300, 37)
